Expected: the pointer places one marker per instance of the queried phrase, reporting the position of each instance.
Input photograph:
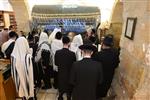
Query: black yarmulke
(12, 34)
(65, 40)
(108, 41)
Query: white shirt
(56, 45)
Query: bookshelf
(4, 17)
(12, 19)
(2, 23)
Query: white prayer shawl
(42, 45)
(52, 35)
(76, 42)
(22, 69)
(56, 45)
(43, 38)
(6, 45)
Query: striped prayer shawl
(28, 87)
(22, 68)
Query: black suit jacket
(110, 60)
(64, 59)
(86, 75)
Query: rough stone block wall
(133, 75)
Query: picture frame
(130, 27)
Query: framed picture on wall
(130, 27)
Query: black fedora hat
(87, 47)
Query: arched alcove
(116, 22)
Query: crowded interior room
(74, 49)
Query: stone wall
(21, 14)
(132, 79)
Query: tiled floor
(50, 94)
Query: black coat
(64, 59)
(110, 60)
(85, 77)
(9, 50)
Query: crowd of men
(72, 61)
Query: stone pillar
(132, 80)
(21, 14)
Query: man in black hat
(64, 59)
(109, 58)
(86, 75)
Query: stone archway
(116, 22)
(21, 10)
